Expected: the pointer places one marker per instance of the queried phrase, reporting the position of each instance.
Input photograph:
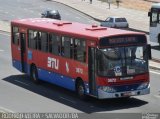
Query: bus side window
(80, 50)
(44, 41)
(50, 43)
(15, 38)
(38, 40)
(72, 48)
(54, 44)
(32, 39)
(66, 47)
(154, 19)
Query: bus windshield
(122, 61)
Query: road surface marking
(1, 50)
(68, 100)
(2, 109)
(5, 33)
(22, 82)
(155, 72)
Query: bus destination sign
(122, 40)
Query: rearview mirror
(149, 14)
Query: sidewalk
(100, 11)
(154, 1)
(4, 26)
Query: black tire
(34, 74)
(81, 90)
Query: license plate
(127, 94)
(126, 78)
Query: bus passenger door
(92, 70)
(23, 52)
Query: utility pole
(90, 1)
(117, 1)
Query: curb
(99, 20)
(152, 1)
(4, 31)
(156, 61)
(154, 68)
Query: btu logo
(53, 63)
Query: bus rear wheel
(81, 90)
(34, 74)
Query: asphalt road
(19, 94)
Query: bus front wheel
(81, 90)
(34, 74)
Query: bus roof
(74, 28)
(156, 5)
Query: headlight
(108, 89)
(143, 86)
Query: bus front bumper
(104, 95)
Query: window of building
(15, 38)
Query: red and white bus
(89, 59)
